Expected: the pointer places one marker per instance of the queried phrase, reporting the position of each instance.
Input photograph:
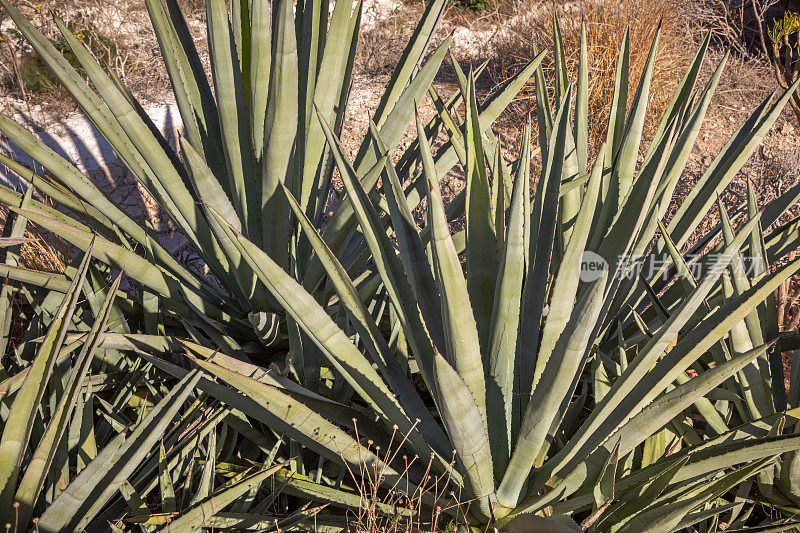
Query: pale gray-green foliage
(532, 391)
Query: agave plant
(84, 427)
(565, 393)
(254, 133)
(273, 68)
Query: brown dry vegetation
(530, 23)
(45, 252)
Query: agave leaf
(556, 384)
(543, 226)
(305, 425)
(103, 117)
(646, 494)
(13, 233)
(543, 113)
(560, 60)
(195, 65)
(60, 194)
(620, 400)
(136, 505)
(625, 163)
(206, 486)
(488, 139)
(327, 336)
(581, 133)
(703, 460)
(233, 118)
(240, 24)
(95, 469)
(603, 490)
(707, 409)
(260, 67)
(304, 488)
(500, 198)
(723, 169)
(632, 228)
(754, 390)
(46, 280)
(721, 452)
(257, 522)
(741, 283)
(684, 273)
(332, 64)
(758, 264)
(524, 523)
(409, 61)
(209, 188)
(601, 379)
(446, 157)
(702, 515)
(337, 412)
(450, 125)
(481, 266)
(270, 376)
(343, 94)
(682, 94)
(506, 316)
(342, 225)
(467, 429)
(667, 406)
(571, 201)
(567, 279)
(185, 87)
(665, 517)
(133, 265)
(182, 448)
(80, 184)
(461, 332)
(346, 76)
(281, 128)
(165, 180)
(619, 103)
(689, 349)
(461, 78)
(312, 36)
(685, 143)
(396, 122)
(168, 503)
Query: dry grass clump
(530, 22)
(45, 252)
(385, 30)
